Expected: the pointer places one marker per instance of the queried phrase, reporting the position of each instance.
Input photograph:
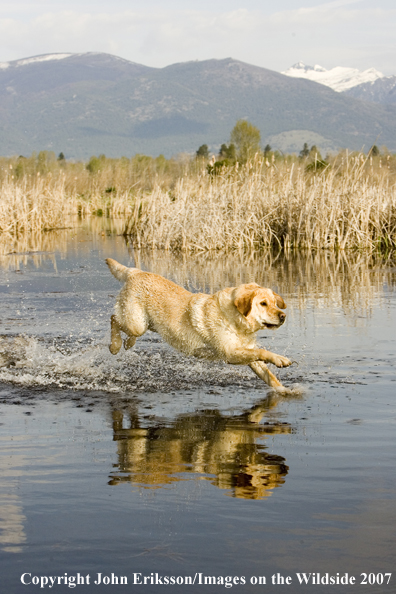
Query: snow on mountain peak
(339, 78)
(42, 58)
(300, 66)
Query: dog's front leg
(265, 374)
(241, 356)
(277, 360)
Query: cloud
(337, 13)
(157, 37)
(164, 33)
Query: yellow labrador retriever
(220, 326)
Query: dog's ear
(279, 301)
(243, 299)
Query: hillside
(84, 104)
(382, 90)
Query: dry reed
(179, 206)
(258, 206)
(26, 207)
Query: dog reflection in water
(222, 326)
(205, 443)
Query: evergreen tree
(304, 153)
(203, 151)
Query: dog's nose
(282, 317)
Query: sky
(272, 34)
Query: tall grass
(36, 193)
(26, 206)
(180, 206)
(261, 205)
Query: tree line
(245, 143)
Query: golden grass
(26, 207)
(261, 205)
(178, 206)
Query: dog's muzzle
(282, 318)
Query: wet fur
(222, 326)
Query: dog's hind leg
(265, 374)
(116, 340)
(129, 318)
(134, 323)
(129, 342)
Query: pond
(151, 467)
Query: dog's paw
(280, 389)
(115, 346)
(280, 361)
(129, 342)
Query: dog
(213, 327)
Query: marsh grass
(31, 207)
(261, 205)
(179, 206)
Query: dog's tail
(118, 270)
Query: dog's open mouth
(271, 326)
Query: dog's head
(261, 307)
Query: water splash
(82, 365)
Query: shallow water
(152, 462)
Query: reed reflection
(78, 234)
(228, 451)
(351, 280)
(12, 518)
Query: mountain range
(92, 103)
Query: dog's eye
(263, 303)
